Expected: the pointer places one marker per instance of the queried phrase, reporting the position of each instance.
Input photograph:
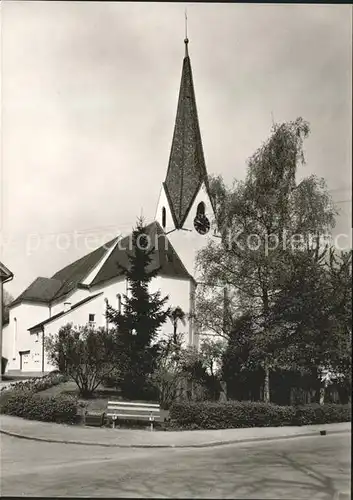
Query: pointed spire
(186, 169)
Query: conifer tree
(142, 316)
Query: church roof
(74, 273)
(46, 290)
(41, 290)
(187, 169)
(164, 258)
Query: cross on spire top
(186, 41)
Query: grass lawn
(98, 402)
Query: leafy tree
(142, 316)
(211, 351)
(176, 316)
(259, 221)
(168, 374)
(186, 372)
(85, 354)
(240, 361)
(6, 301)
(314, 313)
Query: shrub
(234, 414)
(85, 354)
(26, 404)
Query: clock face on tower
(202, 224)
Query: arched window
(200, 209)
(164, 217)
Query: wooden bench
(133, 411)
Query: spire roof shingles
(187, 169)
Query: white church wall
(22, 317)
(163, 203)
(111, 289)
(187, 242)
(179, 295)
(202, 196)
(73, 297)
(78, 317)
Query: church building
(184, 223)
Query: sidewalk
(126, 438)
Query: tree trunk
(267, 384)
(266, 365)
(175, 326)
(322, 395)
(292, 396)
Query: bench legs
(151, 424)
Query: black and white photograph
(176, 250)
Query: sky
(89, 93)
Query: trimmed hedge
(26, 404)
(239, 414)
(322, 414)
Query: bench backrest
(139, 411)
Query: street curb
(201, 445)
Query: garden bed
(60, 403)
(98, 402)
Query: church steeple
(186, 170)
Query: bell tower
(184, 209)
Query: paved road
(302, 468)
